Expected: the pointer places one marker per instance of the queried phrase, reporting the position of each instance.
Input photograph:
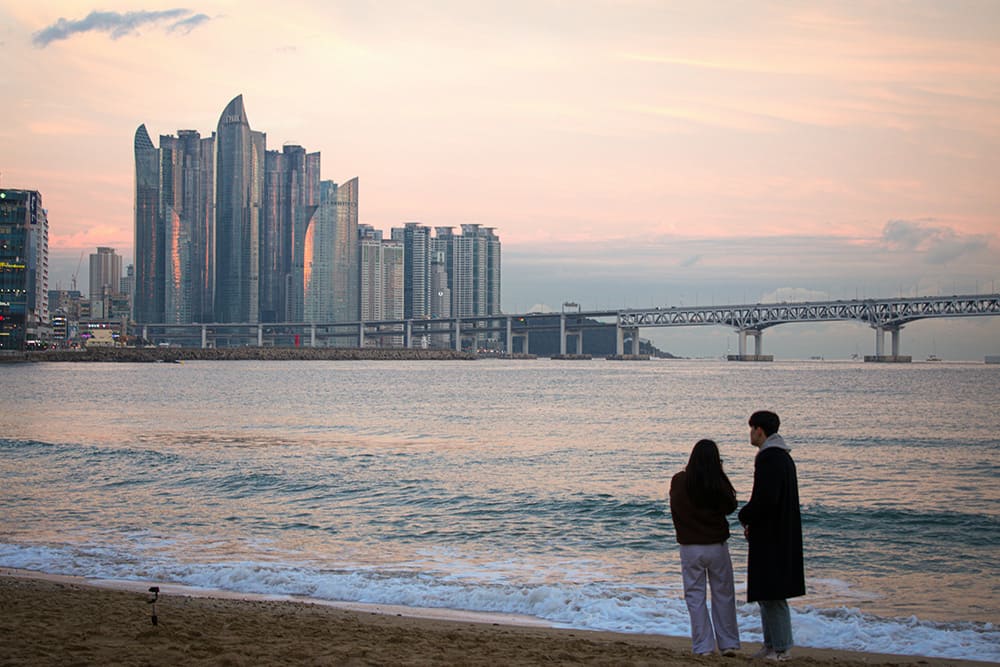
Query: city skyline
(631, 154)
(230, 231)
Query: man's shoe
(780, 656)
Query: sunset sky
(629, 154)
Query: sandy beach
(58, 620)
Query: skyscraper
(275, 254)
(239, 200)
(318, 289)
(188, 214)
(440, 304)
(416, 241)
(371, 272)
(472, 260)
(174, 228)
(381, 271)
(24, 268)
(299, 203)
(393, 283)
(345, 254)
(147, 304)
(492, 243)
(105, 280)
(291, 200)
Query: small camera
(154, 589)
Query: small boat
(933, 357)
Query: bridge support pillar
(579, 341)
(509, 340)
(361, 334)
(312, 335)
(619, 340)
(758, 347)
(408, 334)
(635, 341)
(562, 334)
(880, 354)
(204, 336)
(458, 335)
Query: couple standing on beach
(701, 497)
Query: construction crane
(77, 272)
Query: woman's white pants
(710, 564)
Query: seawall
(179, 354)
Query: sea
(535, 488)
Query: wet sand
(63, 621)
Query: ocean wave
(591, 605)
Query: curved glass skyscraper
(147, 305)
(239, 189)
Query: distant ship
(933, 357)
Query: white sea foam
(593, 605)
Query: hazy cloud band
(116, 24)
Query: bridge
(502, 330)
(883, 315)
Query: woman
(700, 498)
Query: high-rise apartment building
(292, 195)
(416, 241)
(147, 301)
(24, 268)
(382, 279)
(105, 272)
(393, 289)
(105, 281)
(371, 273)
(188, 214)
(174, 228)
(239, 202)
(346, 289)
(318, 289)
(440, 295)
(275, 252)
(472, 262)
(128, 283)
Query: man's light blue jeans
(776, 622)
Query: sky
(629, 154)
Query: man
(773, 528)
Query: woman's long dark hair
(706, 481)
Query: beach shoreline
(52, 619)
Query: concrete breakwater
(179, 354)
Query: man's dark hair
(767, 420)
